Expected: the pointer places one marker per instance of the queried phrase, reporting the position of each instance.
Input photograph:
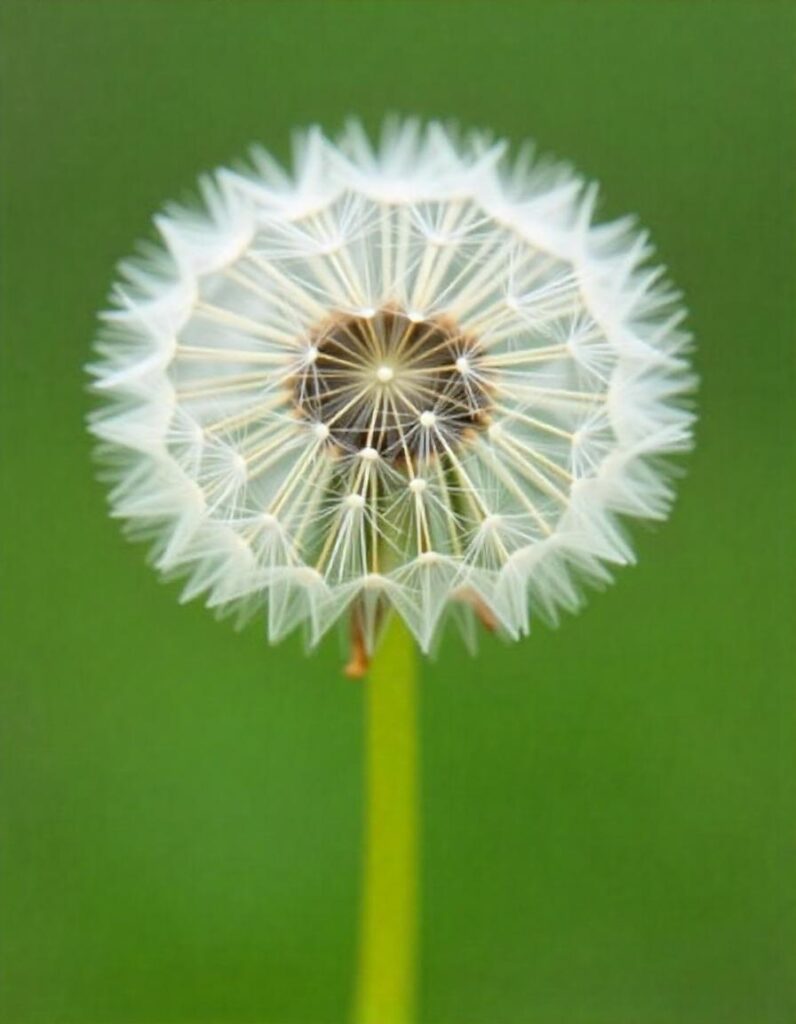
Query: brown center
(393, 385)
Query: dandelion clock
(399, 383)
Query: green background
(608, 808)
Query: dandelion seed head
(399, 374)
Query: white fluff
(581, 351)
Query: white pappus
(411, 375)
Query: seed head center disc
(401, 387)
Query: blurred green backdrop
(608, 808)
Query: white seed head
(418, 332)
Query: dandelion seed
(411, 374)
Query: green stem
(385, 990)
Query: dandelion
(414, 376)
(411, 377)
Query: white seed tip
(494, 429)
(321, 431)
(331, 246)
(355, 500)
(373, 581)
(427, 419)
(312, 354)
(463, 364)
(308, 576)
(428, 557)
(385, 374)
(492, 521)
(415, 316)
(418, 485)
(269, 521)
(369, 454)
